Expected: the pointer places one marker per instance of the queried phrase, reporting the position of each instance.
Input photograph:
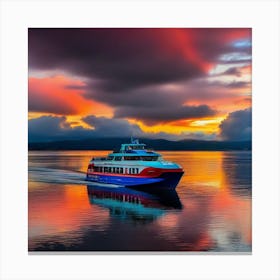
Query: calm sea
(209, 211)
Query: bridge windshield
(134, 147)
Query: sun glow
(208, 123)
(207, 126)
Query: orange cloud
(63, 96)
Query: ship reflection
(135, 205)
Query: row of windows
(114, 158)
(119, 158)
(116, 170)
(145, 158)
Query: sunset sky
(185, 83)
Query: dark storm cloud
(122, 58)
(152, 115)
(128, 58)
(214, 43)
(112, 127)
(45, 128)
(154, 104)
(48, 128)
(237, 126)
(153, 96)
(127, 68)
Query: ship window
(121, 170)
(109, 169)
(117, 170)
(150, 158)
(105, 169)
(118, 158)
(137, 170)
(132, 170)
(114, 170)
(132, 158)
(139, 147)
(110, 158)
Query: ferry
(134, 166)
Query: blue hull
(168, 180)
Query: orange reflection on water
(202, 169)
(211, 207)
(60, 210)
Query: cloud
(237, 126)
(236, 57)
(234, 71)
(158, 103)
(239, 84)
(107, 127)
(229, 85)
(46, 128)
(121, 58)
(51, 95)
(125, 58)
(50, 128)
(155, 75)
(152, 115)
(60, 95)
(219, 95)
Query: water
(209, 211)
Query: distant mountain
(157, 144)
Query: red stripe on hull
(149, 172)
(155, 172)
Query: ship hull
(167, 180)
